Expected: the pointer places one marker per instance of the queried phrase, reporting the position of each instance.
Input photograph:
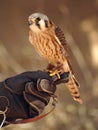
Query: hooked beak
(30, 22)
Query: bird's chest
(47, 47)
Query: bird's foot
(55, 72)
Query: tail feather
(72, 86)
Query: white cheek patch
(42, 24)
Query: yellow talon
(55, 72)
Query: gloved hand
(27, 94)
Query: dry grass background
(79, 21)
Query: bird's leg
(55, 70)
(50, 67)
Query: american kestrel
(50, 43)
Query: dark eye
(38, 19)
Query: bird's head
(38, 22)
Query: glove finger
(31, 88)
(38, 74)
(46, 86)
(35, 104)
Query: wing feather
(73, 83)
(64, 47)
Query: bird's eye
(38, 19)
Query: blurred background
(79, 21)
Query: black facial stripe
(50, 22)
(46, 23)
(37, 22)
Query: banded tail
(72, 86)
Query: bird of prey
(50, 43)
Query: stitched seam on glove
(36, 93)
(8, 88)
(41, 87)
(32, 105)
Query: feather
(72, 84)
